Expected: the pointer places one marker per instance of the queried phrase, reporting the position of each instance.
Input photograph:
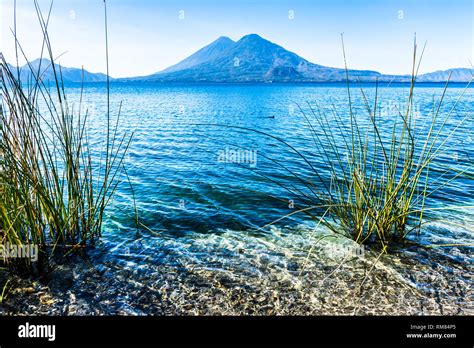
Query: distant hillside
(251, 59)
(45, 70)
(460, 75)
(255, 59)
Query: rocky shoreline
(251, 283)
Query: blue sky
(149, 35)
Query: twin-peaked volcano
(255, 59)
(251, 59)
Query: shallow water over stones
(208, 260)
(233, 273)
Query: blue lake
(204, 187)
(192, 171)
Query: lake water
(203, 186)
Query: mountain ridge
(250, 59)
(255, 59)
(44, 68)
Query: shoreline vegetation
(54, 194)
(380, 183)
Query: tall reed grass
(365, 182)
(379, 182)
(54, 192)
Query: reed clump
(54, 192)
(380, 182)
(363, 179)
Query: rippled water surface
(180, 160)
